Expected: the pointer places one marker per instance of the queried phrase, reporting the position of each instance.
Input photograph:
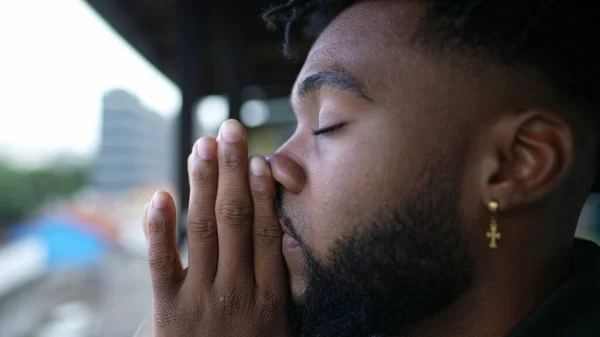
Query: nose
(287, 172)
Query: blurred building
(136, 145)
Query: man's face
(375, 204)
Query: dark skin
(397, 106)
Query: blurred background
(100, 102)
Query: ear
(526, 158)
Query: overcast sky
(57, 58)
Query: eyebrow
(334, 80)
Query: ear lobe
(534, 154)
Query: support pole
(187, 67)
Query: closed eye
(327, 129)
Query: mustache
(285, 219)
(278, 198)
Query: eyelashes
(327, 129)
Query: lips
(288, 241)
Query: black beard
(407, 265)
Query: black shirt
(574, 308)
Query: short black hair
(557, 37)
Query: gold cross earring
(493, 233)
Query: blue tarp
(69, 245)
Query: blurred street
(110, 299)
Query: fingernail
(231, 131)
(160, 200)
(258, 167)
(205, 149)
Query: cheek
(357, 175)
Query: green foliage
(24, 191)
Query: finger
(268, 260)
(234, 205)
(202, 223)
(163, 257)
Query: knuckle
(267, 230)
(161, 261)
(205, 228)
(231, 159)
(235, 212)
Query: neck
(498, 301)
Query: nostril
(288, 173)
